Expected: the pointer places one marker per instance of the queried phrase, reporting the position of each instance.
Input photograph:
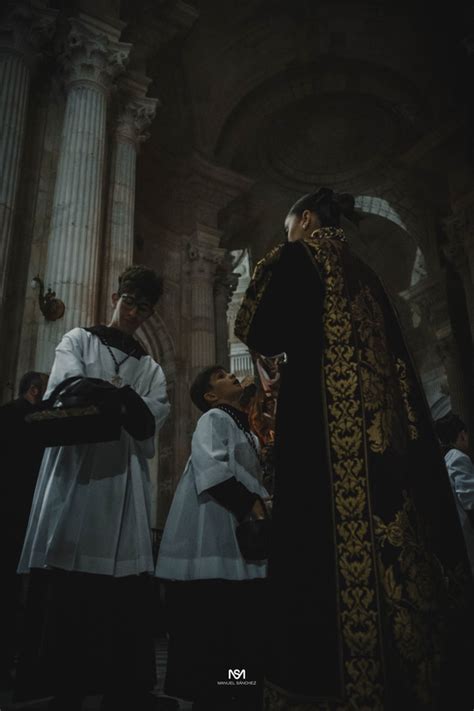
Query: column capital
(26, 27)
(135, 111)
(428, 301)
(455, 228)
(92, 54)
(203, 258)
(209, 188)
(225, 281)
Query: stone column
(428, 301)
(224, 286)
(92, 59)
(458, 392)
(26, 27)
(457, 250)
(135, 113)
(204, 256)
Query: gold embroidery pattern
(384, 382)
(259, 282)
(405, 388)
(411, 586)
(355, 555)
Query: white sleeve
(156, 396)
(68, 360)
(210, 451)
(151, 386)
(461, 471)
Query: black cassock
(370, 585)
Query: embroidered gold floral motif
(406, 389)
(260, 279)
(411, 585)
(384, 381)
(363, 676)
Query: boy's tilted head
(215, 386)
(142, 282)
(139, 290)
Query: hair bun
(346, 203)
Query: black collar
(238, 415)
(117, 339)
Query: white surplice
(91, 509)
(199, 540)
(461, 475)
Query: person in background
(454, 438)
(20, 459)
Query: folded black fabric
(136, 416)
(234, 496)
(253, 537)
(80, 410)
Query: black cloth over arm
(137, 418)
(234, 496)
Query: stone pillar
(26, 26)
(92, 59)
(204, 256)
(224, 286)
(459, 394)
(135, 112)
(457, 250)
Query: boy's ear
(210, 397)
(115, 298)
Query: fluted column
(92, 60)
(26, 27)
(204, 259)
(135, 113)
(224, 286)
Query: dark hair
(142, 281)
(202, 385)
(447, 428)
(29, 379)
(328, 206)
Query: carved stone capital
(427, 300)
(27, 26)
(204, 261)
(134, 110)
(92, 55)
(455, 229)
(225, 283)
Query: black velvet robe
(368, 570)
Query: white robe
(199, 539)
(91, 509)
(461, 475)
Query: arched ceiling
(235, 49)
(324, 122)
